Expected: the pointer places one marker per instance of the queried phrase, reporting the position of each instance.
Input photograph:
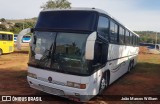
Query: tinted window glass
(0, 36)
(4, 37)
(121, 35)
(131, 39)
(114, 32)
(103, 27)
(61, 52)
(26, 36)
(10, 37)
(138, 41)
(135, 39)
(127, 38)
(70, 20)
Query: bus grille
(42, 79)
(52, 90)
(53, 81)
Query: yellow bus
(6, 42)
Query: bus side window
(127, 38)
(0, 36)
(100, 54)
(131, 38)
(4, 37)
(113, 32)
(135, 40)
(103, 26)
(10, 37)
(121, 35)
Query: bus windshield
(59, 51)
(67, 20)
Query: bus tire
(104, 82)
(129, 66)
(102, 85)
(132, 63)
(1, 52)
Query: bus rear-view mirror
(20, 36)
(90, 44)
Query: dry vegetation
(143, 80)
(22, 20)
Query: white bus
(77, 53)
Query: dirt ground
(144, 79)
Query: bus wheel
(132, 64)
(129, 66)
(0, 52)
(103, 85)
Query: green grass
(148, 69)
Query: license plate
(52, 90)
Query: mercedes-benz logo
(50, 79)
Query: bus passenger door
(98, 49)
(100, 60)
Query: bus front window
(62, 52)
(69, 54)
(40, 49)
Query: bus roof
(5, 32)
(89, 9)
(77, 9)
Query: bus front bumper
(59, 90)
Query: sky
(138, 15)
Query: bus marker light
(82, 86)
(76, 85)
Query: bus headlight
(32, 75)
(76, 85)
(70, 84)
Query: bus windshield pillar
(89, 54)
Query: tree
(19, 26)
(53, 4)
(3, 20)
(3, 28)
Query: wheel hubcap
(103, 84)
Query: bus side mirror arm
(21, 34)
(90, 44)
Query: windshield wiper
(46, 57)
(57, 60)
